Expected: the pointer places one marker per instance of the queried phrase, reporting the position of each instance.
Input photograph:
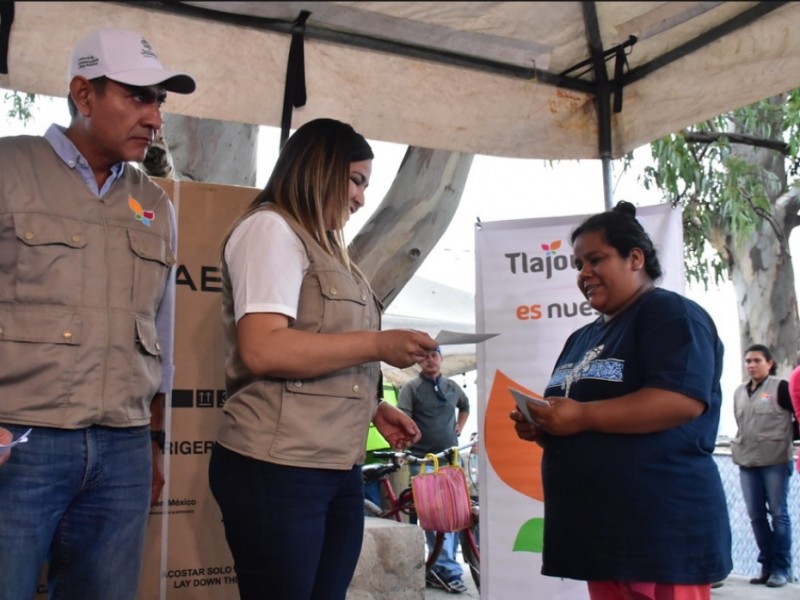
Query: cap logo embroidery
(147, 50)
(84, 62)
(145, 216)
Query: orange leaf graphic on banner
(518, 463)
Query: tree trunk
(761, 267)
(411, 219)
(763, 278)
(212, 151)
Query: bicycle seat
(376, 472)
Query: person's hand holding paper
(7, 442)
(522, 401)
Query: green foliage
(724, 187)
(21, 104)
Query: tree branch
(708, 137)
(774, 225)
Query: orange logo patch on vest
(145, 216)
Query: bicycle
(402, 505)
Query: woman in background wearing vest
(303, 352)
(763, 450)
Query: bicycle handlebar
(416, 459)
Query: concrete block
(392, 562)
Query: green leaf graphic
(530, 536)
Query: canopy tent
(548, 80)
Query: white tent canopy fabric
(513, 79)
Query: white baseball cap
(126, 57)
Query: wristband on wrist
(160, 438)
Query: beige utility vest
(319, 422)
(764, 435)
(81, 278)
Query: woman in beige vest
(763, 450)
(302, 374)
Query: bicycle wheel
(405, 503)
(470, 551)
(434, 552)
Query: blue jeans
(78, 499)
(293, 532)
(765, 491)
(372, 492)
(446, 565)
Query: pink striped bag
(441, 497)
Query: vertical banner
(526, 291)
(187, 522)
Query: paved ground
(735, 587)
(434, 594)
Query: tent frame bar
(367, 42)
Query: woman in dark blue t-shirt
(634, 503)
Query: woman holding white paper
(634, 504)
(302, 374)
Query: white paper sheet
(445, 337)
(20, 440)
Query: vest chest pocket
(765, 406)
(45, 264)
(153, 259)
(332, 301)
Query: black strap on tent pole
(6, 19)
(619, 68)
(294, 94)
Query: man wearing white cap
(87, 250)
